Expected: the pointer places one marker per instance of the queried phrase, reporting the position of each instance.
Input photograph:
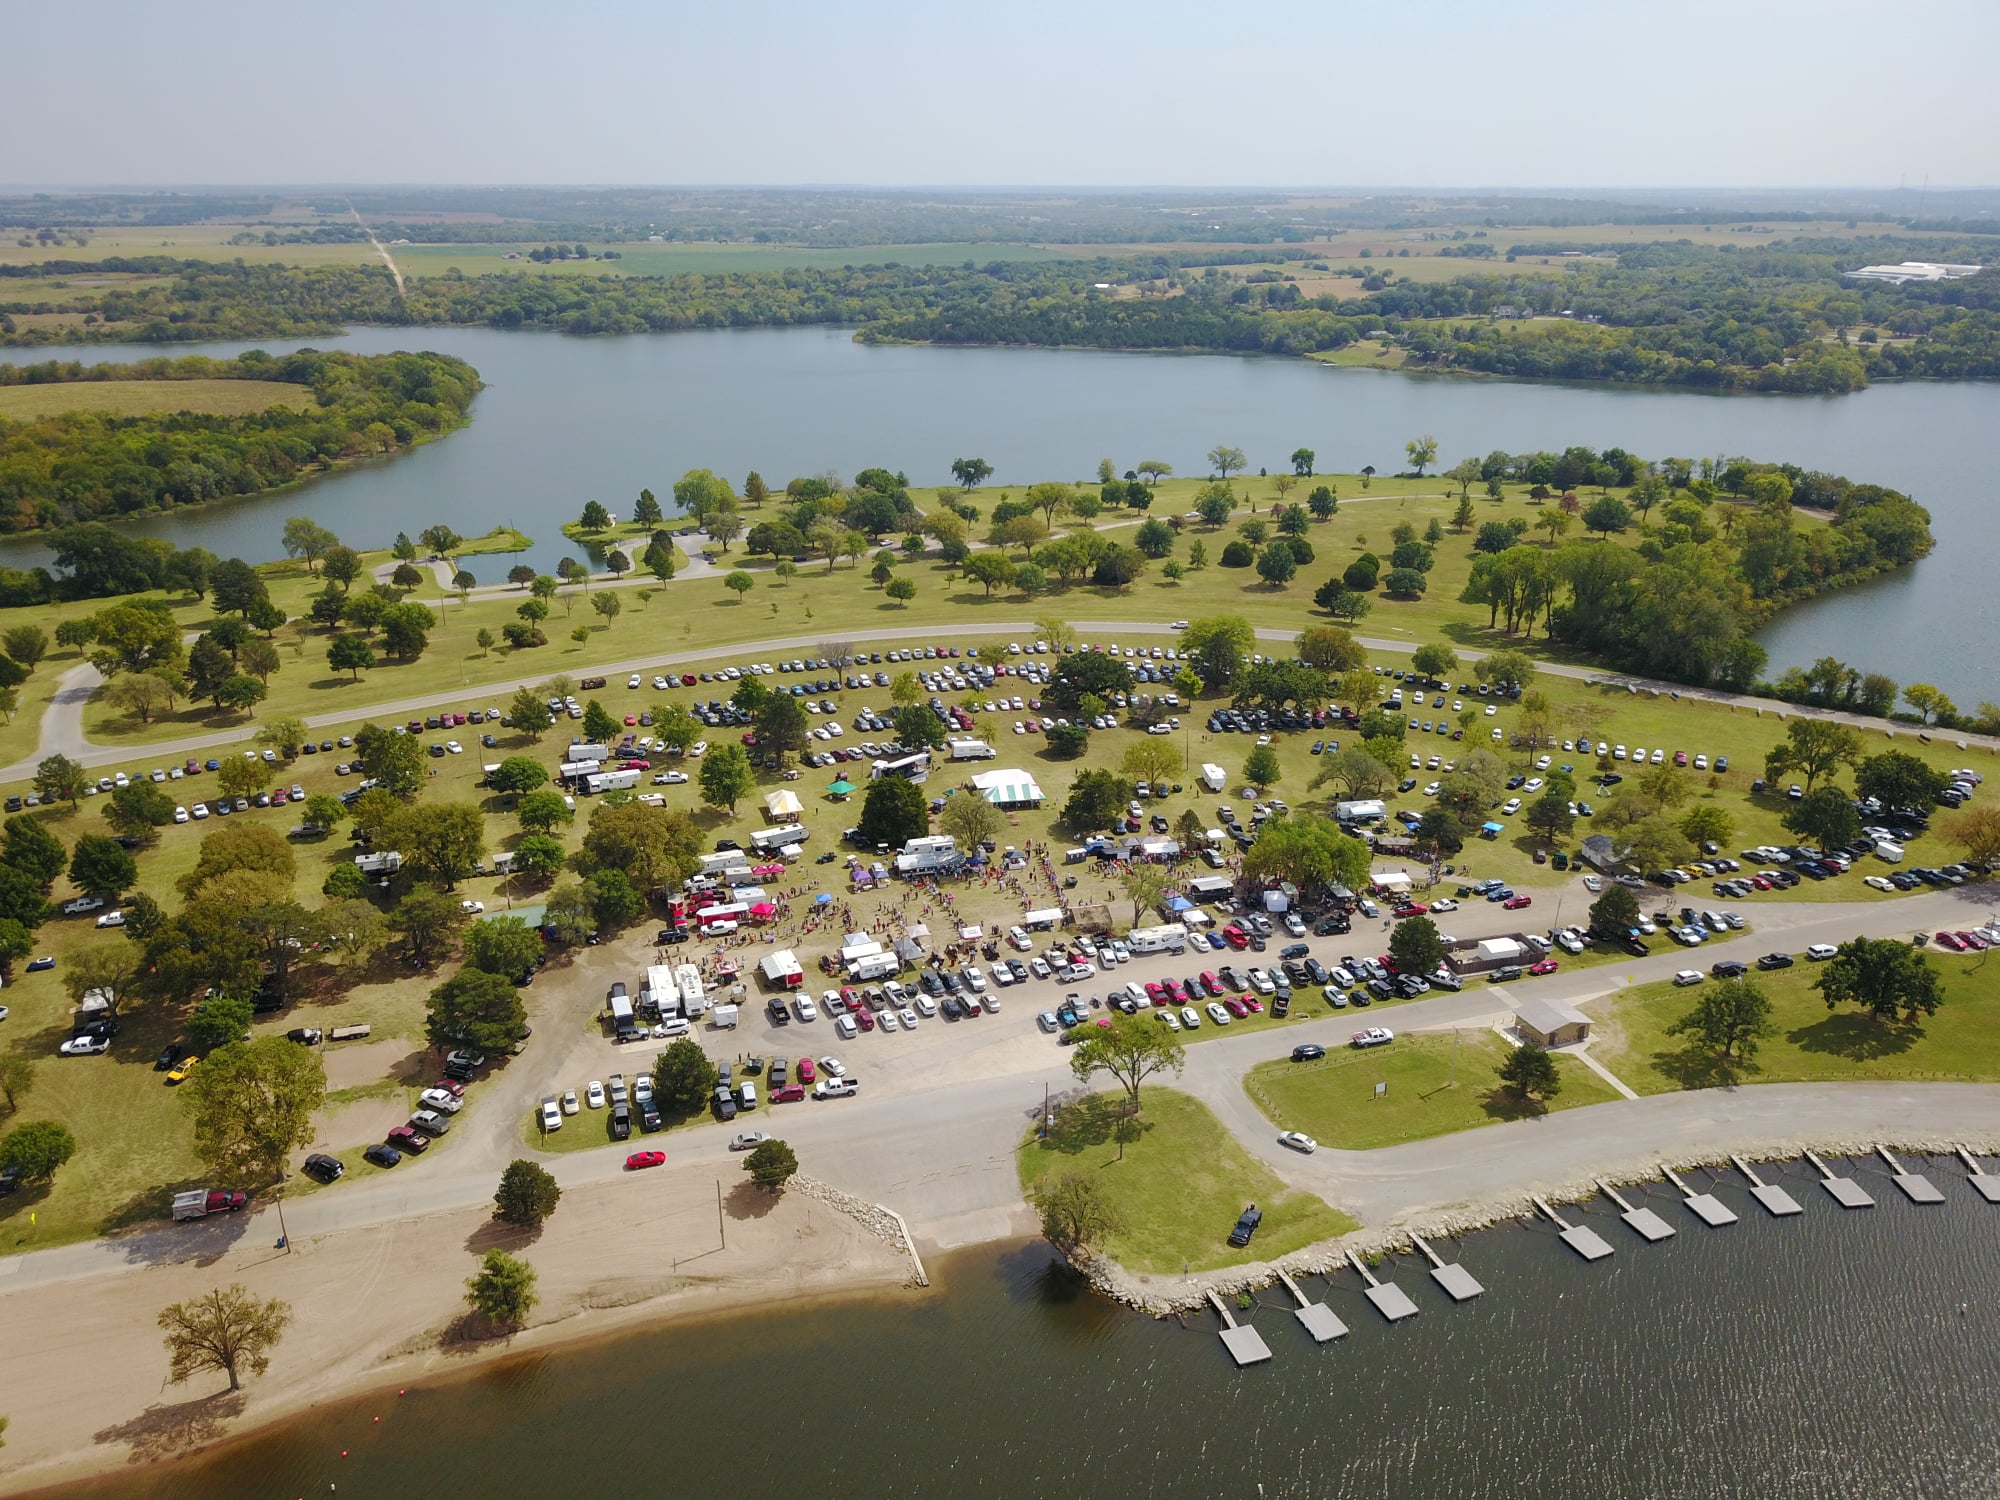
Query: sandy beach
(83, 1381)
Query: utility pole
(720, 1229)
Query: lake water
(566, 420)
(1822, 1356)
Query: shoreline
(1143, 1293)
(381, 1308)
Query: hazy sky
(893, 92)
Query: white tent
(783, 806)
(1395, 881)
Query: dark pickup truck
(1246, 1225)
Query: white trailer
(694, 999)
(723, 1018)
(1164, 939)
(580, 750)
(387, 862)
(610, 781)
(1213, 776)
(970, 750)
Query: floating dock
(1983, 1183)
(1584, 1240)
(1390, 1300)
(1916, 1187)
(1454, 1278)
(1245, 1344)
(1845, 1190)
(1648, 1225)
(1315, 1317)
(1774, 1198)
(1706, 1207)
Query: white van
(844, 1026)
(746, 1095)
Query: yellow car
(181, 1070)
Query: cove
(564, 420)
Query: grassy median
(1179, 1180)
(1439, 1083)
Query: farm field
(131, 398)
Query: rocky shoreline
(1169, 1296)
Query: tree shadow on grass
(1855, 1036)
(1695, 1067)
(1092, 1121)
(163, 1431)
(1505, 1104)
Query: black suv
(1246, 1225)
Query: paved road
(62, 722)
(934, 1130)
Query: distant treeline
(1727, 317)
(83, 466)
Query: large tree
(503, 945)
(771, 1164)
(1826, 816)
(38, 1149)
(1130, 1050)
(1614, 913)
(893, 813)
(1309, 851)
(227, 1330)
(970, 819)
(1531, 1072)
(528, 1194)
(503, 1292)
(253, 1105)
(651, 846)
(1076, 1211)
(1096, 801)
(394, 760)
(726, 777)
(1889, 979)
(439, 841)
(1416, 945)
(475, 1009)
(1730, 1019)
(1812, 748)
(1899, 779)
(781, 725)
(1217, 645)
(684, 1077)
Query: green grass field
(1438, 1083)
(131, 398)
(1179, 1182)
(1813, 1044)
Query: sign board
(1381, 1089)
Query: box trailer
(1210, 887)
(769, 840)
(876, 966)
(1213, 776)
(723, 1018)
(610, 781)
(580, 750)
(724, 859)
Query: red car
(1411, 909)
(640, 1160)
(1235, 1007)
(1974, 941)
(222, 1201)
(789, 1093)
(1173, 991)
(1210, 983)
(1952, 941)
(806, 1070)
(451, 1086)
(408, 1141)
(864, 1019)
(1546, 966)
(1516, 903)
(1156, 992)
(688, 679)
(1235, 937)
(1253, 1003)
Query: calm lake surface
(1821, 1356)
(565, 420)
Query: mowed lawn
(1438, 1083)
(1179, 1182)
(132, 398)
(1961, 1043)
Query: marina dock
(1581, 1238)
(1390, 1300)
(1706, 1207)
(1315, 1317)
(1845, 1190)
(1648, 1225)
(1245, 1344)
(1780, 1203)
(1983, 1182)
(1454, 1278)
(1916, 1187)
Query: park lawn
(1812, 1044)
(1179, 1184)
(135, 1146)
(1334, 1099)
(129, 398)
